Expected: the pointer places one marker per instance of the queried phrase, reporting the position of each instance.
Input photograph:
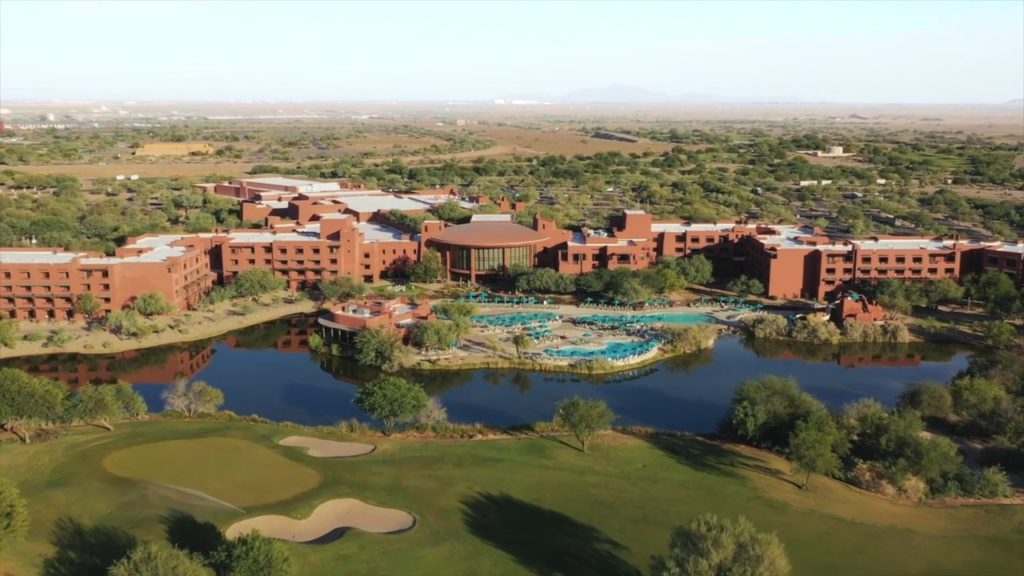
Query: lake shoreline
(204, 330)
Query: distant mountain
(1017, 102)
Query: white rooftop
(373, 232)
(302, 185)
(31, 257)
(335, 216)
(903, 244)
(1011, 248)
(634, 212)
(491, 218)
(268, 237)
(689, 227)
(158, 254)
(364, 204)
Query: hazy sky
(926, 51)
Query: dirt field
(174, 148)
(143, 169)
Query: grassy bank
(198, 325)
(512, 506)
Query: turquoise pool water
(680, 318)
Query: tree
(26, 400)
(88, 305)
(522, 342)
(255, 282)
(940, 291)
(815, 446)
(429, 269)
(8, 332)
(125, 323)
(151, 304)
(584, 418)
(546, 281)
(1000, 334)
(14, 518)
(745, 286)
(391, 400)
(435, 334)
(455, 310)
(696, 269)
(191, 399)
(149, 559)
(252, 554)
(711, 546)
(102, 403)
(341, 288)
(765, 411)
(930, 399)
(998, 291)
(976, 398)
(381, 348)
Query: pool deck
(494, 345)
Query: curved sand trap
(328, 448)
(327, 522)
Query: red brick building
(317, 234)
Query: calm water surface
(266, 370)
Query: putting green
(236, 471)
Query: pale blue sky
(829, 51)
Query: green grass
(525, 505)
(233, 470)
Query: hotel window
(334, 261)
(299, 251)
(950, 271)
(865, 259)
(933, 270)
(489, 258)
(901, 260)
(521, 256)
(883, 259)
(918, 260)
(461, 258)
(579, 257)
(25, 275)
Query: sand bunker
(327, 448)
(327, 522)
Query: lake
(268, 370)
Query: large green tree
(815, 446)
(88, 305)
(152, 304)
(102, 404)
(712, 546)
(26, 400)
(391, 400)
(584, 417)
(429, 269)
(149, 559)
(252, 554)
(765, 411)
(341, 288)
(14, 519)
(8, 332)
(380, 348)
(256, 282)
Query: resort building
(490, 244)
(317, 230)
(44, 283)
(396, 314)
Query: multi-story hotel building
(315, 230)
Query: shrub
(991, 482)
(59, 339)
(8, 333)
(930, 399)
(151, 304)
(768, 327)
(688, 339)
(765, 411)
(815, 331)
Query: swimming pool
(679, 318)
